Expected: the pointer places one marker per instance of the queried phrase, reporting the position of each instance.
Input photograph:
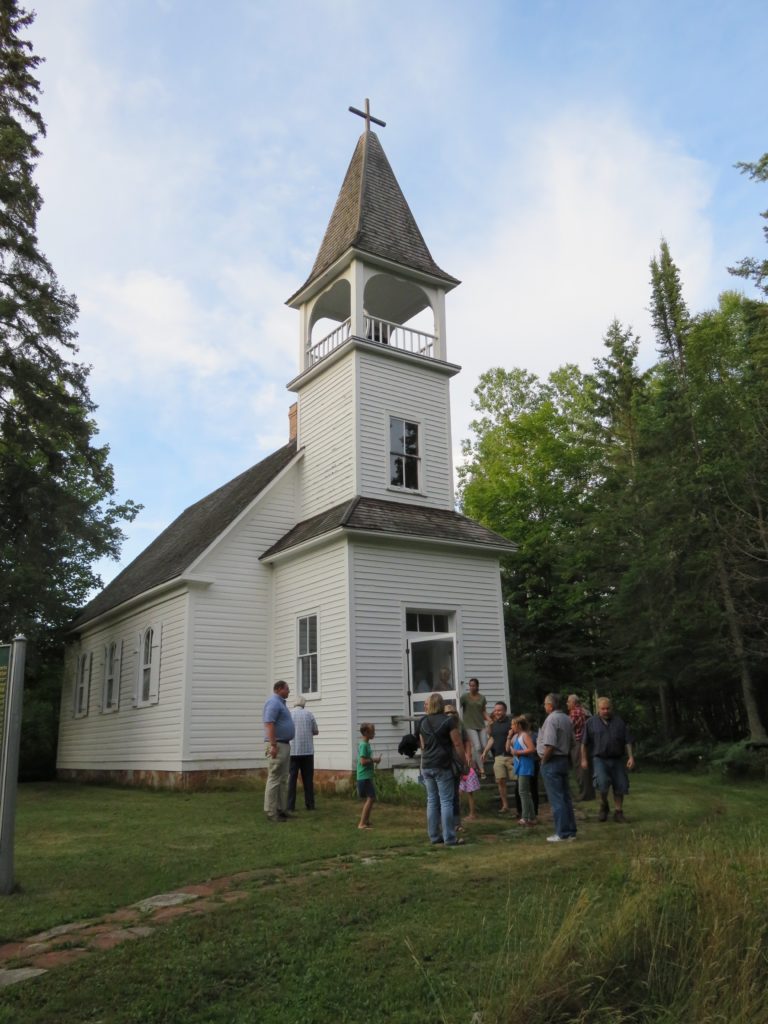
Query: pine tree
(752, 269)
(693, 466)
(57, 513)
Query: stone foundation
(326, 780)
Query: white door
(432, 669)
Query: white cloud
(579, 212)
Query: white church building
(338, 563)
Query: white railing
(384, 332)
(406, 338)
(326, 345)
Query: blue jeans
(555, 775)
(440, 820)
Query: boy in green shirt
(365, 762)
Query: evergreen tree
(529, 475)
(693, 472)
(57, 513)
(755, 270)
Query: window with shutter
(147, 689)
(110, 697)
(82, 690)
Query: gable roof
(371, 214)
(376, 516)
(188, 536)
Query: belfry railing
(383, 332)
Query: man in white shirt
(302, 755)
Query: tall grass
(681, 937)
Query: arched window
(110, 698)
(147, 689)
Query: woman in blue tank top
(525, 757)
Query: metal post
(9, 760)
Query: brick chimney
(292, 413)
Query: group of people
(454, 753)
(454, 750)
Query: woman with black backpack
(442, 758)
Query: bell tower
(373, 383)
(373, 272)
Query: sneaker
(560, 839)
(602, 814)
(619, 816)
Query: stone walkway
(36, 954)
(66, 943)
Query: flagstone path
(34, 955)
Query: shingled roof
(372, 215)
(177, 547)
(375, 516)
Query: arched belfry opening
(328, 324)
(374, 278)
(399, 312)
(394, 311)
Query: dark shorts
(365, 789)
(610, 772)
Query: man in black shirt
(607, 739)
(498, 742)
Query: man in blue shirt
(278, 733)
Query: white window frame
(312, 657)
(82, 690)
(146, 690)
(110, 690)
(402, 488)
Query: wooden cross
(368, 116)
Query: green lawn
(662, 921)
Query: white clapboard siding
(231, 637)
(146, 738)
(391, 387)
(387, 580)
(327, 435)
(317, 583)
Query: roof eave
(366, 345)
(313, 285)
(486, 547)
(183, 580)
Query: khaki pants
(276, 792)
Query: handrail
(331, 341)
(383, 332)
(406, 338)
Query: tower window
(403, 454)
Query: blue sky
(195, 150)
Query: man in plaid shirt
(579, 717)
(303, 755)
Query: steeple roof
(372, 215)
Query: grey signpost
(12, 659)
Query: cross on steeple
(366, 114)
